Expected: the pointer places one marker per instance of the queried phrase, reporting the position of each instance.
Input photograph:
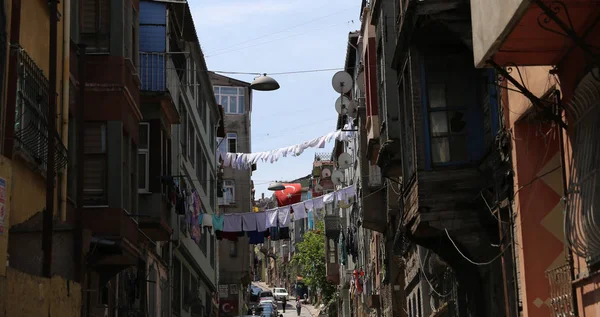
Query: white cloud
(237, 12)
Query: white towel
(271, 218)
(261, 222)
(284, 216)
(232, 223)
(299, 211)
(249, 221)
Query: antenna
(337, 178)
(342, 82)
(344, 161)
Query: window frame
(228, 184)
(146, 153)
(232, 136)
(99, 35)
(239, 96)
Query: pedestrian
(284, 303)
(298, 306)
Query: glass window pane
(233, 105)
(439, 123)
(225, 103)
(459, 148)
(458, 123)
(437, 95)
(142, 171)
(228, 91)
(241, 104)
(143, 137)
(440, 150)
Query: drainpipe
(65, 101)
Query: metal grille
(31, 113)
(323, 156)
(560, 291)
(582, 226)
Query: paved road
(290, 309)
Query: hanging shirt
(232, 223)
(217, 222)
(256, 237)
(261, 221)
(283, 215)
(271, 220)
(299, 211)
(249, 221)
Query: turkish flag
(290, 195)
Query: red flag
(290, 195)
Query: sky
(272, 36)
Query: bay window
(231, 98)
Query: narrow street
(290, 309)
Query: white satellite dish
(337, 178)
(325, 173)
(352, 109)
(342, 104)
(344, 161)
(318, 188)
(342, 82)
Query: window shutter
(95, 165)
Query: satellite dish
(325, 173)
(337, 178)
(318, 188)
(360, 81)
(352, 109)
(342, 82)
(344, 161)
(342, 104)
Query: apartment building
(235, 257)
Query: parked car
(266, 295)
(280, 293)
(255, 294)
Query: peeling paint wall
(25, 295)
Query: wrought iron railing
(31, 114)
(561, 291)
(153, 71)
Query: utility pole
(48, 223)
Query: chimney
(262, 196)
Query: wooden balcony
(154, 216)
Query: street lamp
(275, 186)
(264, 83)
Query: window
(233, 249)
(144, 157)
(211, 245)
(231, 98)
(95, 25)
(190, 142)
(183, 127)
(176, 286)
(201, 164)
(94, 183)
(228, 193)
(448, 95)
(221, 145)
(406, 111)
(232, 142)
(203, 237)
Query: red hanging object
(290, 195)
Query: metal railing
(561, 291)
(153, 71)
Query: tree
(310, 257)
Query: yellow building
(24, 67)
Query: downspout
(66, 22)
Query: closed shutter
(95, 164)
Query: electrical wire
(281, 31)
(471, 261)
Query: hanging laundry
(283, 215)
(217, 222)
(232, 223)
(271, 220)
(261, 221)
(318, 203)
(231, 236)
(342, 248)
(299, 211)
(308, 204)
(274, 233)
(256, 237)
(249, 221)
(207, 220)
(284, 233)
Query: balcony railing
(153, 71)
(31, 114)
(561, 291)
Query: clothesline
(246, 160)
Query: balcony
(561, 291)
(529, 32)
(154, 216)
(120, 226)
(153, 71)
